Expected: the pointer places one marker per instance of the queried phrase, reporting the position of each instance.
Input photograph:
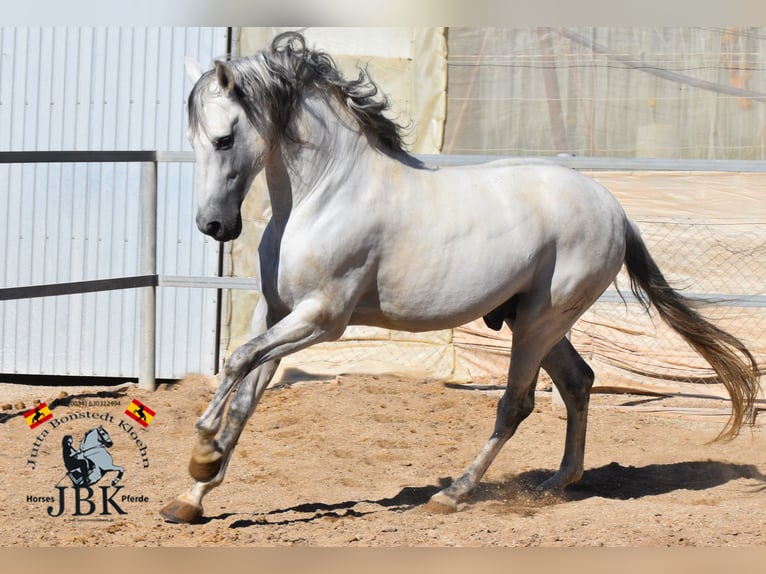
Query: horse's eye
(224, 142)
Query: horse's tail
(731, 360)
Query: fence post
(147, 351)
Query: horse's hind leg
(574, 380)
(516, 404)
(187, 507)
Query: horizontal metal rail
(201, 282)
(612, 163)
(78, 156)
(118, 283)
(575, 162)
(77, 287)
(251, 284)
(712, 299)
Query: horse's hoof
(181, 512)
(556, 484)
(441, 504)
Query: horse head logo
(87, 465)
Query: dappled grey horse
(363, 233)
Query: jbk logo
(85, 501)
(85, 467)
(89, 485)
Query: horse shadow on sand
(517, 493)
(617, 482)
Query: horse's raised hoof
(440, 503)
(181, 512)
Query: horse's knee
(239, 362)
(511, 411)
(586, 376)
(577, 388)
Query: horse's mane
(269, 85)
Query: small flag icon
(140, 413)
(38, 415)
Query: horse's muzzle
(219, 231)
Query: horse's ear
(193, 71)
(225, 76)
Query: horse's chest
(289, 274)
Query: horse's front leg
(207, 452)
(209, 472)
(250, 368)
(297, 330)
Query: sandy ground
(351, 461)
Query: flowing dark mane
(269, 84)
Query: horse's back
(539, 181)
(542, 203)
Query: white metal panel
(98, 89)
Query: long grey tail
(727, 355)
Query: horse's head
(103, 437)
(228, 149)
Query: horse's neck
(86, 440)
(330, 146)
(280, 188)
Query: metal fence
(148, 279)
(720, 265)
(91, 89)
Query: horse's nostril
(213, 228)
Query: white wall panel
(104, 88)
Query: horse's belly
(438, 294)
(413, 322)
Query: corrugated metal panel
(99, 89)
